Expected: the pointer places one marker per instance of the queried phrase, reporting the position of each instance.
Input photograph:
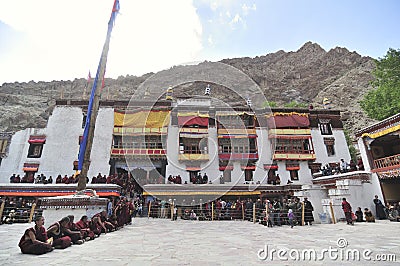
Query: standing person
(347, 211)
(163, 208)
(308, 209)
(290, 216)
(35, 241)
(379, 209)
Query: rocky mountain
(306, 75)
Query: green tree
(383, 100)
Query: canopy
(284, 120)
(192, 120)
(148, 119)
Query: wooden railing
(390, 162)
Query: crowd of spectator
(342, 167)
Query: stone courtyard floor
(164, 242)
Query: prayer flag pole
(93, 107)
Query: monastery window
(294, 175)
(325, 127)
(35, 150)
(84, 120)
(248, 175)
(227, 175)
(330, 146)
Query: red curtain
(192, 120)
(285, 121)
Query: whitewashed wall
(102, 142)
(341, 149)
(17, 155)
(62, 142)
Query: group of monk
(62, 234)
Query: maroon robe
(75, 233)
(27, 246)
(85, 230)
(59, 239)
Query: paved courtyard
(163, 242)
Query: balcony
(235, 131)
(238, 156)
(294, 156)
(131, 131)
(289, 131)
(386, 163)
(138, 152)
(193, 157)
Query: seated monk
(369, 217)
(83, 226)
(56, 231)
(95, 226)
(106, 225)
(73, 232)
(35, 241)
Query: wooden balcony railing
(193, 157)
(294, 156)
(387, 163)
(138, 152)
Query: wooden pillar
(242, 212)
(212, 211)
(302, 213)
(149, 210)
(332, 212)
(32, 212)
(1, 210)
(254, 213)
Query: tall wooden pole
(95, 105)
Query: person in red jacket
(347, 211)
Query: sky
(45, 40)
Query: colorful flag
(102, 63)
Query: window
(248, 175)
(35, 150)
(271, 176)
(84, 120)
(294, 175)
(325, 127)
(227, 176)
(330, 146)
(330, 149)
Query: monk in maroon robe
(83, 226)
(56, 231)
(35, 241)
(72, 231)
(95, 226)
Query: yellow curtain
(198, 114)
(148, 119)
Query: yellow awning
(141, 119)
(198, 114)
(381, 133)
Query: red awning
(192, 120)
(227, 167)
(30, 169)
(270, 167)
(291, 168)
(193, 168)
(249, 167)
(285, 121)
(37, 141)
